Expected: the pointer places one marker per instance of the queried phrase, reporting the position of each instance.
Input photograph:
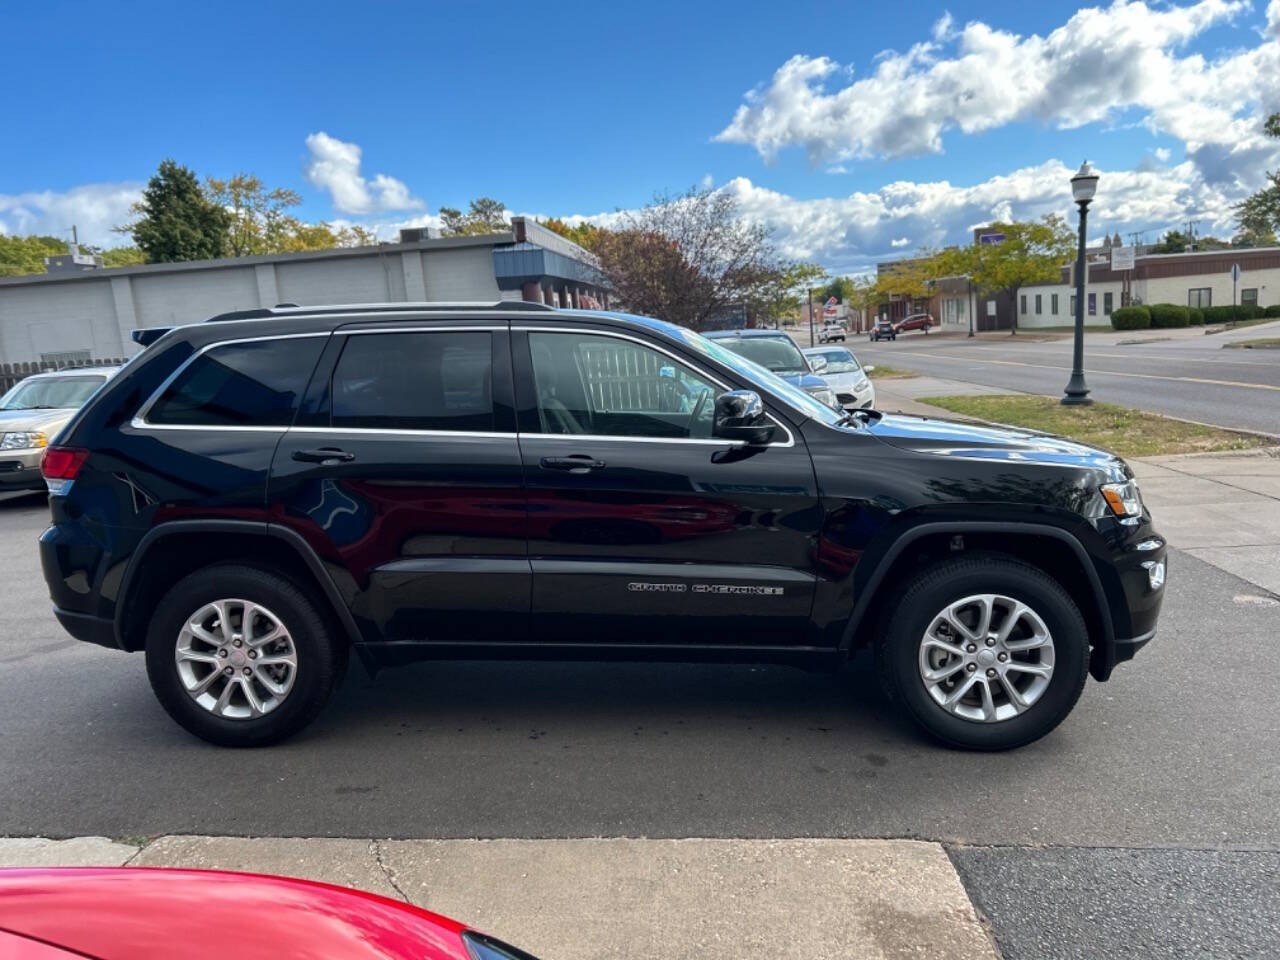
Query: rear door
(404, 473)
(643, 529)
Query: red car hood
(137, 913)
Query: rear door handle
(326, 455)
(577, 463)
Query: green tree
(785, 294)
(116, 256)
(1031, 252)
(485, 215)
(1174, 241)
(1259, 213)
(583, 234)
(176, 220)
(20, 256)
(842, 288)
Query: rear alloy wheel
(240, 656)
(985, 652)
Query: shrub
(1248, 312)
(1167, 315)
(1130, 318)
(1217, 314)
(1272, 311)
(1196, 316)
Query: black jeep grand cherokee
(255, 497)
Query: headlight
(1124, 499)
(23, 441)
(824, 395)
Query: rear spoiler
(145, 338)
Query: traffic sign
(1235, 272)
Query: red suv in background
(916, 321)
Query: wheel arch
(1050, 548)
(165, 554)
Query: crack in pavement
(375, 847)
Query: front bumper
(1135, 600)
(87, 627)
(20, 469)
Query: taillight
(60, 465)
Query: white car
(847, 378)
(831, 331)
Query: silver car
(847, 378)
(32, 413)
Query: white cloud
(335, 167)
(1162, 153)
(943, 27)
(900, 242)
(1100, 62)
(94, 208)
(707, 181)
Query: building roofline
(224, 263)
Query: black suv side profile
(255, 498)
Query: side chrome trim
(439, 328)
(140, 422)
(391, 432)
(592, 331)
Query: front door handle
(324, 455)
(577, 463)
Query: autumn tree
(688, 258)
(1031, 252)
(584, 234)
(20, 256)
(259, 219)
(176, 220)
(485, 215)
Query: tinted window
(618, 388)
(255, 384)
(415, 381)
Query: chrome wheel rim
(986, 658)
(236, 659)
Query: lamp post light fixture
(1083, 186)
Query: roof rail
(284, 310)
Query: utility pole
(810, 316)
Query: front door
(643, 529)
(403, 472)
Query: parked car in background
(32, 413)
(141, 913)
(847, 378)
(883, 329)
(777, 353)
(831, 331)
(915, 321)
(256, 498)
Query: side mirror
(740, 417)
(868, 368)
(817, 364)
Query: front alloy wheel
(986, 657)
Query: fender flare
(1104, 654)
(253, 528)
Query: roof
(76, 371)
(744, 334)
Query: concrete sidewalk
(639, 899)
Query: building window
(1053, 304)
(1024, 304)
(1106, 304)
(1093, 304)
(1249, 297)
(1200, 297)
(1073, 305)
(1038, 302)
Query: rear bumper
(86, 627)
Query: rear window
(252, 384)
(415, 381)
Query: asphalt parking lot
(1176, 753)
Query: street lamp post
(1083, 186)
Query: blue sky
(582, 108)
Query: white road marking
(1115, 373)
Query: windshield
(51, 393)
(838, 360)
(763, 377)
(779, 354)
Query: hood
(952, 438)
(805, 381)
(844, 379)
(48, 421)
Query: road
(1173, 763)
(1189, 375)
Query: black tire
(905, 623)
(321, 654)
